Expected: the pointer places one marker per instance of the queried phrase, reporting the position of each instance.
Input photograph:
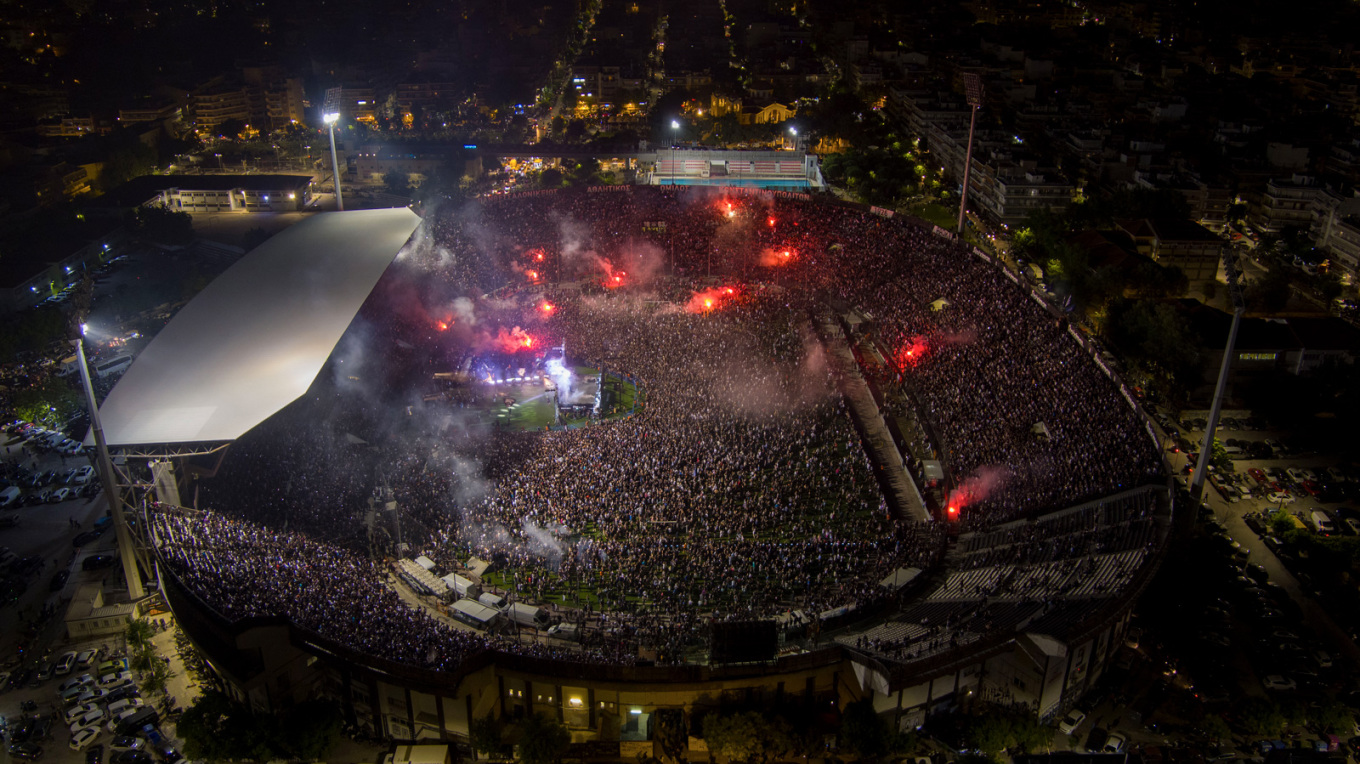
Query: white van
(529, 616)
(115, 365)
(567, 631)
(1321, 522)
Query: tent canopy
(255, 338)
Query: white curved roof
(255, 338)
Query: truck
(529, 616)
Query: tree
(125, 163)
(1281, 523)
(310, 729)
(542, 740)
(162, 224)
(31, 330)
(397, 182)
(1335, 718)
(1258, 716)
(216, 728)
(1215, 728)
(485, 735)
(550, 178)
(863, 732)
(201, 727)
(1270, 293)
(138, 633)
(144, 658)
(51, 403)
(230, 128)
(747, 737)
(157, 679)
(672, 734)
(254, 238)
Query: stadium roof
(255, 338)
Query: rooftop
(138, 190)
(255, 338)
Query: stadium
(620, 451)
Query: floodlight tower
(1239, 306)
(675, 136)
(972, 86)
(120, 529)
(331, 118)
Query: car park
(45, 672)
(95, 755)
(92, 695)
(91, 719)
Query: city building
(42, 261)
(1182, 244)
(216, 193)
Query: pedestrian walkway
(887, 459)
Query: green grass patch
(940, 215)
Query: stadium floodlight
(330, 119)
(131, 576)
(675, 129)
(972, 86)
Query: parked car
(1070, 722)
(83, 738)
(98, 562)
(65, 663)
(1277, 682)
(26, 751)
(1114, 743)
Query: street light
(331, 119)
(794, 132)
(219, 162)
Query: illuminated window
(1256, 356)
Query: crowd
(738, 491)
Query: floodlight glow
(331, 118)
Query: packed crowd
(738, 491)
